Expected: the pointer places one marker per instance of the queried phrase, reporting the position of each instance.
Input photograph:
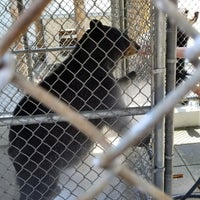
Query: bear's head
(182, 37)
(106, 44)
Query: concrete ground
(186, 159)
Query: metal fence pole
(159, 86)
(170, 85)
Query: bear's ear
(95, 23)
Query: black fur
(182, 39)
(84, 80)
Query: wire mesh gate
(46, 44)
(184, 68)
(23, 122)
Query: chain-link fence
(184, 69)
(49, 158)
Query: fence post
(170, 85)
(159, 88)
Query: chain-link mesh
(51, 159)
(183, 68)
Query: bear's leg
(37, 187)
(119, 124)
(37, 181)
(122, 124)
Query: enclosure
(145, 79)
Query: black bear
(85, 81)
(182, 40)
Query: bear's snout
(132, 49)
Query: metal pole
(115, 12)
(50, 118)
(122, 22)
(159, 84)
(20, 5)
(170, 85)
(40, 50)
